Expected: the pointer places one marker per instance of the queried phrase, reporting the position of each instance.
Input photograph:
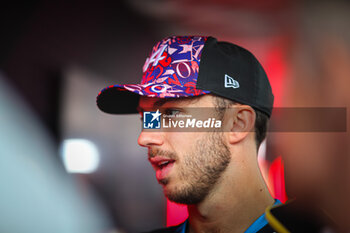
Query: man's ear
(241, 123)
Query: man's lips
(159, 162)
(162, 166)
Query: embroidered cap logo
(230, 82)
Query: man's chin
(181, 196)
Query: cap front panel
(172, 68)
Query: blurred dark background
(39, 39)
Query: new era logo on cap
(230, 82)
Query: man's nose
(150, 139)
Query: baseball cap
(185, 66)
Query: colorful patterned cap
(184, 66)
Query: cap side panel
(232, 72)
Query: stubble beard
(199, 171)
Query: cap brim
(124, 99)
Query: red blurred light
(176, 213)
(276, 177)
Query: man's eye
(172, 112)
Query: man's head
(190, 164)
(188, 72)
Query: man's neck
(233, 205)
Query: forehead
(148, 102)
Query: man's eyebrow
(159, 103)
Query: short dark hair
(261, 120)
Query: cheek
(183, 142)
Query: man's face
(187, 164)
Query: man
(216, 172)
